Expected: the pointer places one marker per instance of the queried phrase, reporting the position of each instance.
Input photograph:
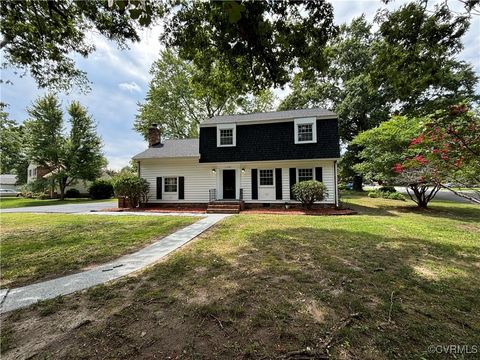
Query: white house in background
(8, 181)
(252, 158)
(35, 172)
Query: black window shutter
(181, 187)
(318, 174)
(159, 188)
(278, 184)
(254, 185)
(293, 180)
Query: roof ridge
(269, 112)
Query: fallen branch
(391, 307)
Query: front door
(229, 184)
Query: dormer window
(226, 135)
(305, 131)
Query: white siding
(199, 178)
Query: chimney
(153, 135)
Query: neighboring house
(8, 181)
(256, 158)
(36, 172)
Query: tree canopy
(72, 156)
(13, 159)
(40, 36)
(407, 66)
(181, 95)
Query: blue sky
(120, 80)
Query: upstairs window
(305, 130)
(266, 177)
(305, 174)
(226, 135)
(170, 185)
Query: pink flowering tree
(447, 152)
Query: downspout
(138, 169)
(336, 182)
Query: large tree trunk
(62, 183)
(421, 194)
(357, 183)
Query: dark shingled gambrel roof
(171, 149)
(270, 116)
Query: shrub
(101, 189)
(72, 193)
(386, 195)
(135, 189)
(387, 189)
(309, 191)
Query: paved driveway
(67, 208)
(441, 195)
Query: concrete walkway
(67, 208)
(12, 299)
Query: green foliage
(39, 36)
(181, 95)
(35, 188)
(260, 42)
(386, 195)
(72, 193)
(101, 189)
(388, 189)
(309, 191)
(69, 157)
(135, 189)
(13, 159)
(384, 146)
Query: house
(8, 182)
(253, 158)
(36, 172)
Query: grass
(17, 202)
(384, 284)
(38, 246)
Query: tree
(407, 66)
(385, 147)
(13, 159)
(449, 143)
(261, 42)
(39, 36)
(69, 157)
(181, 95)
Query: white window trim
(266, 186)
(298, 172)
(226, 127)
(303, 121)
(165, 183)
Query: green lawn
(35, 247)
(384, 284)
(17, 202)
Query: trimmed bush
(309, 191)
(386, 195)
(135, 189)
(72, 193)
(388, 189)
(101, 189)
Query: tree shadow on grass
(281, 290)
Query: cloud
(130, 87)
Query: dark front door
(229, 184)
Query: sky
(119, 81)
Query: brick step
(223, 211)
(225, 203)
(222, 206)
